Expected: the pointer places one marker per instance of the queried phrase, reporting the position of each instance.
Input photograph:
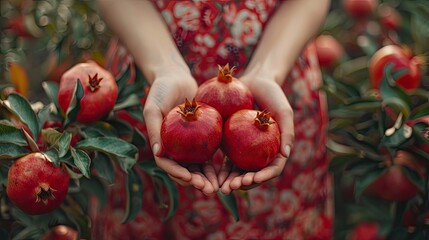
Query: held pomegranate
(191, 132)
(251, 139)
(100, 91)
(225, 93)
(401, 58)
(36, 185)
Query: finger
(226, 188)
(271, 171)
(197, 181)
(173, 168)
(248, 178)
(236, 182)
(179, 181)
(280, 109)
(210, 173)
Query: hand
(166, 92)
(268, 96)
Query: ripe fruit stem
(225, 73)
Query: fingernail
(155, 149)
(287, 150)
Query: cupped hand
(166, 92)
(269, 97)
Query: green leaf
(64, 143)
(160, 175)
(338, 162)
(96, 187)
(43, 115)
(130, 101)
(124, 152)
(50, 136)
(362, 182)
(53, 155)
(11, 134)
(392, 94)
(21, 108)
(51, 90)
(104, 167)
(136, 112)
(122, 83)
(11, 151)
(230, 202)
(74, 106)
(28, 233)
(82, 161)
(122, 127)
(420, 111)
(134, 196)
(99, 129)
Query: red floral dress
(297, 204)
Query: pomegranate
(251, 139)
(393, 184)
(329, 50)
(100, 91)
(225, 93)
(36, 185)
(60, 232)
(401, 58)
(360, 8)
(389, 17)
(191, 132)
(365, 231)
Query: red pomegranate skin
(248, 145)
(401, 58)
(60, 232)
(191, 139)
(393, 185)
(28, 176)
(96, 102)
(225, 93)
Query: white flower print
(188, 15)
(288, 205)
(303, 152)
(307, 185)
(246, 28)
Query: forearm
(291, 27)
(143, 31)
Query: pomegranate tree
(36, 185)
(251, 139)
(191, 132)
(225, 93)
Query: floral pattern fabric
(297, 204)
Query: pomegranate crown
(94, 82)
(189, 110)
(263, 119)
(225, 73)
